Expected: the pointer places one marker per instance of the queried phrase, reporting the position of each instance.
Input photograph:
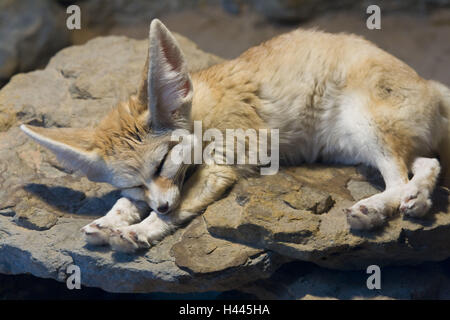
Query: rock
(43, 206)
(296, 10)
(30, 33)
(305, 281)
(48, 253)
(288, 10)
(261, 224)
(309, 199)
(280, 214)
(84, 88)
(361, 189)
(200, 253)
(105, 14)
(34, 218)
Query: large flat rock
(48, 253)
(43, 206)
(298, 213)
(261, 224)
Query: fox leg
(415, 201)
(205, 186)
(372, 212)
(123, 213)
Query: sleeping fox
(333, 98)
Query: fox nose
(163, 208)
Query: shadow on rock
(372, 234)
(128, 257)
(68, 200)
(94, 248)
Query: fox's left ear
(169, 86)
(72, 147)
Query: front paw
(127, 239)
(96, 234)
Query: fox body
(333, 98)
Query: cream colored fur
(333, 97)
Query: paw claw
(133, 236)
(99, 226)
(115, 232)
(95, 235)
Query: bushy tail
(444, 147)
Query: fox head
(131, 146)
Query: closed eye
(158, 170)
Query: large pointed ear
(73, 148)
(170, 88)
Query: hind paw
(367, 214)
(415, 202)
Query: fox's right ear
(167, 88)
(72, 147)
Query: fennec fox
(337, 98)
